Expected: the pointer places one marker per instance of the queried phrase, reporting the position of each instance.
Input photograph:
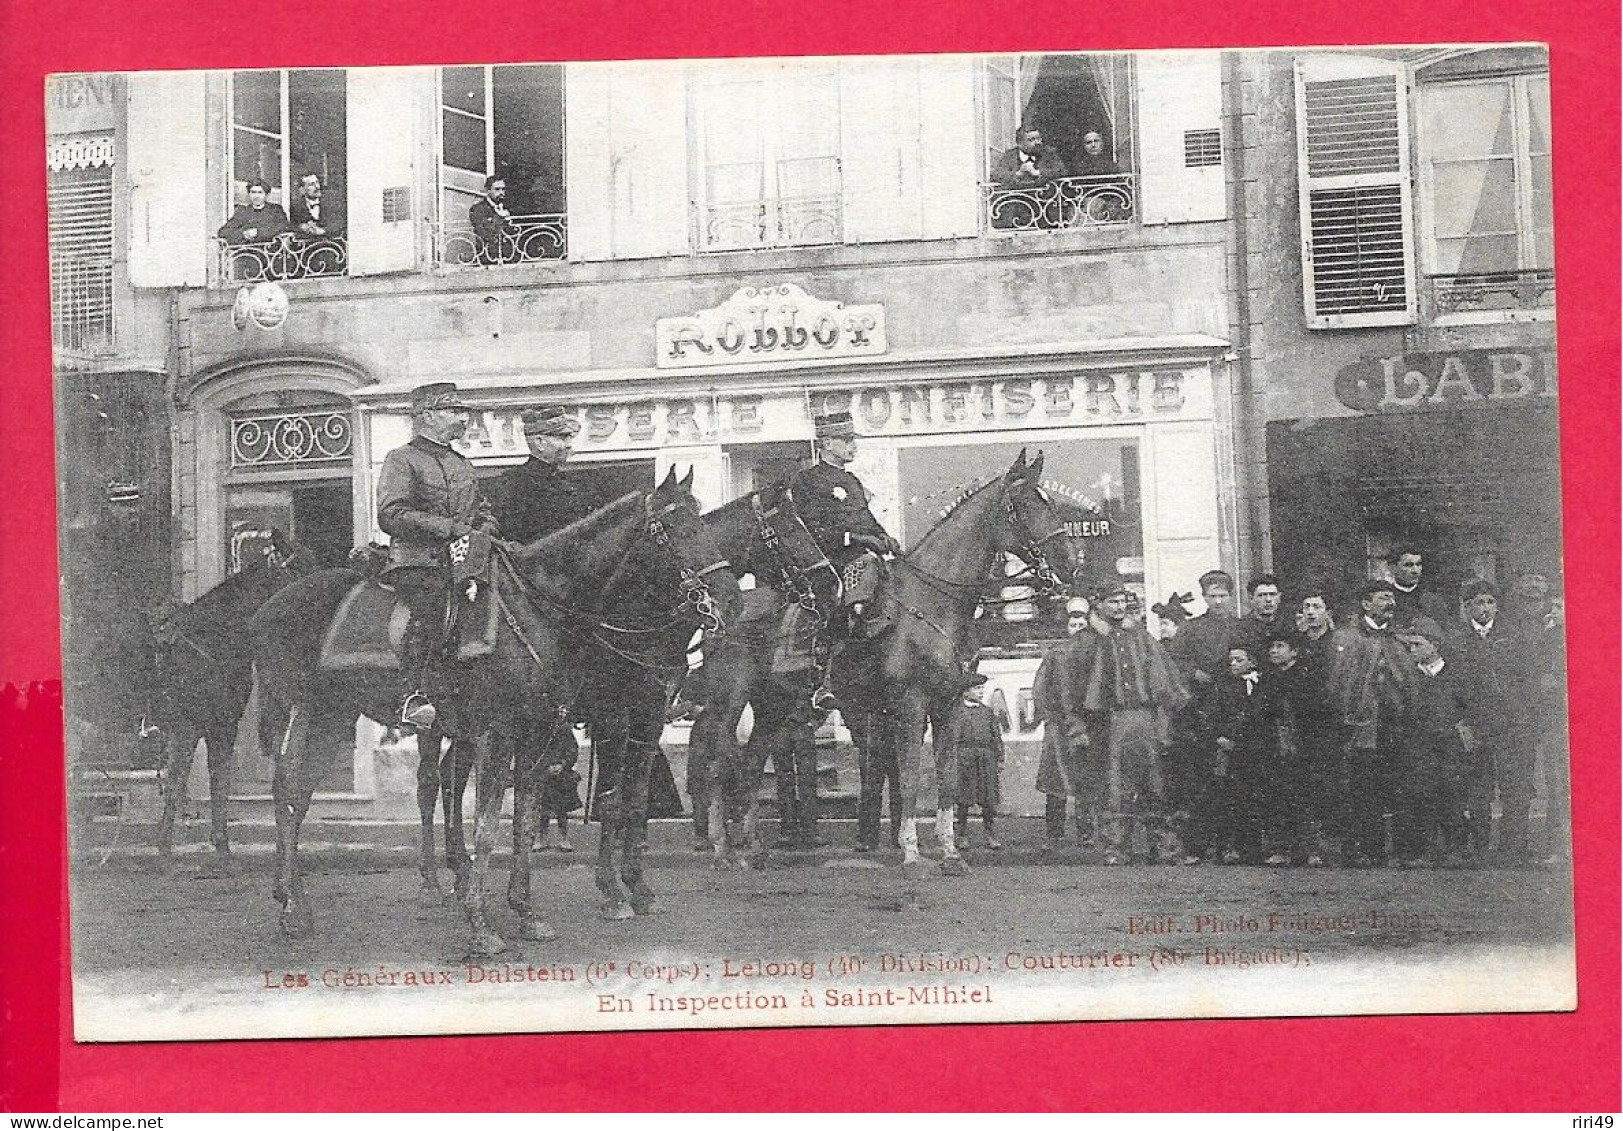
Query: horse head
(1033, 528)
(681, 551)
(285, 554)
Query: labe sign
(766, 324)
(1417, 381)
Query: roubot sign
(1418, 381)
(765, 324)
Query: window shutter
(1352, 141)
(627, 160)
(169, 233)
(381, 108)
(949, 162)
(1179, 93)
(879, 149)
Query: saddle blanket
(366, 632)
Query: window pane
(464, 142)
(1475, 198)
(1469, 120)
(256, 157)
(317, 108)
(1538, 113)
(256, 100)
(463, 88)
(1476, 255)
(1543, 214)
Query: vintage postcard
(823, 541)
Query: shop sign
(766, 324)
(81, 103)
(1418, 381)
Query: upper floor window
(1060, 142)
(79, 189)
(502, 197)
(1485, 193)
(768, 167)
(288, 176)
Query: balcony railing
(533, 238)
(1493, 291)
(285, 257)
(81, 303)
(805, 221)
(1066, 202)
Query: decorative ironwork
(79, 151)
(285, 257)
(790, 221)
(1066, 202)
(290, 438)
(533, 238)
(1494, 291)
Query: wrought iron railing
(285, 257)
(798, 221)
(282, 439)
(81, 302)
(1066, 202)
(533, 238)
(1493, 291)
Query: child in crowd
(1430, 803)
(1237, 724)
(972, 763)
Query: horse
(203, 677)
(892, 684)
(551, 595)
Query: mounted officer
(428, 499)
(537, 497)
(833, 504)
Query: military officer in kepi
(428, 499)
(538, 497)
(833, 504)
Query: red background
(1566, 1062)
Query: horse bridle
(1031, 550)
(690, 582)
(792, 573)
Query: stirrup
(824, 699)
(417, 712)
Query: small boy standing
(972, 763)
(1237, 720)
(1431, 795)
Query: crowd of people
(1294, 736)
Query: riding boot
(417, 712)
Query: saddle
(366, 632)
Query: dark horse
(553, 596)
(203, 677)
(891, 685)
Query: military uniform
(537, 498)
(428, 497)
(833, 504)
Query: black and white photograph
(810, 541)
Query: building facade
(695, 258)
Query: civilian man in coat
(1068, 771)
(1413, 597)
(314, 216)
(259, 221)
(428, 498)
(493, 228)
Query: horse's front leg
(609, 746)
(455, 767)
(952, 864)
(180, 749)
(490, 785)
(429, 742)
(286, 733)
(640, 753)
(903, 728)
(533, 747)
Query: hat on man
(1370, 588)
(833, 425)
(1174, 607)
(974, 679)
(438, 394)
(1077, 606)
(1477, 586)
(551, 420)
(1422, 626)
(1105, 590)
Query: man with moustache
(428, 498)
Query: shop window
(768, 169)
(1093, 483)
(505, 123)
(286, 128)
(1060, 142)
(80, 197)
(1485, 194)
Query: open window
(502, 196)
(1488, 240)
(287, 210)
(768, 173)
(1059, 142)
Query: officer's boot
(417, 712)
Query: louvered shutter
(1357, 214)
